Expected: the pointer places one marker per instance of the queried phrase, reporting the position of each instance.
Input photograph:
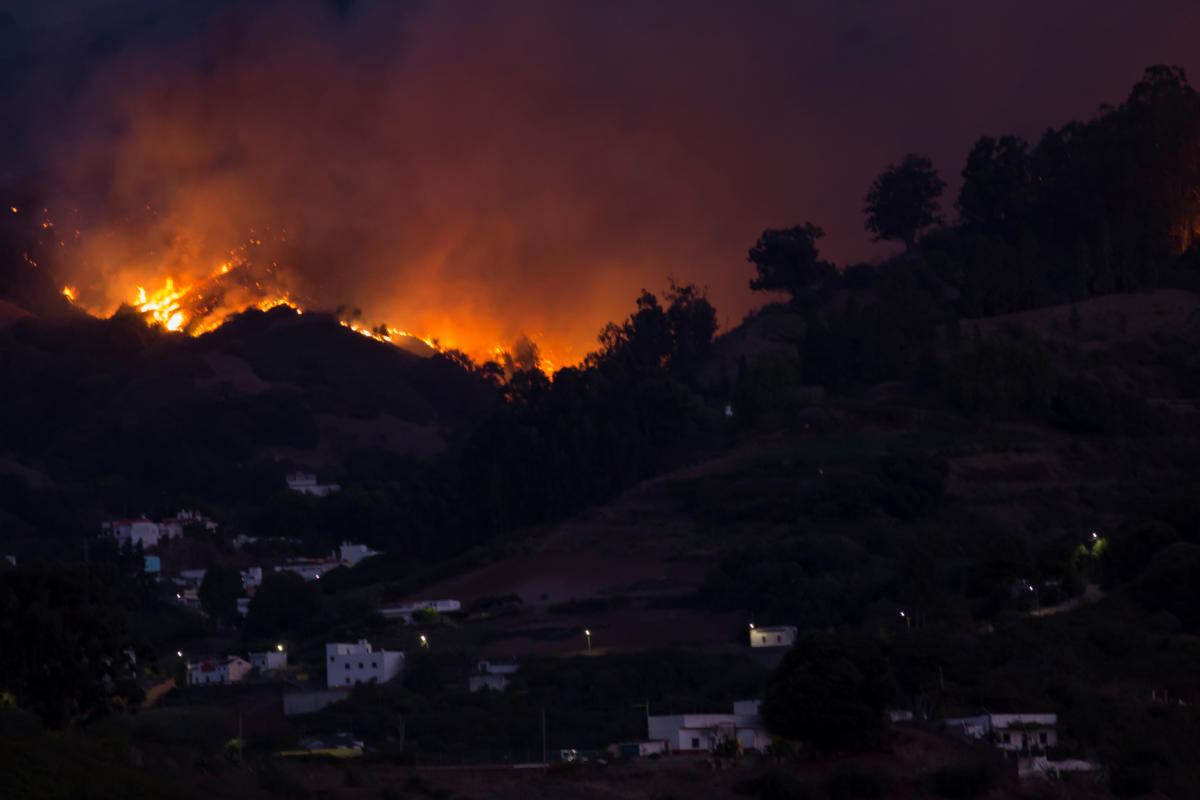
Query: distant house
(492, 675)
(252, 576)
(407, 610)
(173, 526)
(1012, 732)
(229, 669)
(700, 733)
(309, 569)
(133, 531)
(269, 660)
(773, 636)
(350, 554)
(347, 664)
(306, 483)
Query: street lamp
(588, 634)
(907, 624)
(179, 653)
(279, 647)
(1037, 603)
(424, 641)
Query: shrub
(852, 780)
(958, 781)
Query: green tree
(788, 260)
(66, 650)
(903, 200)
(997, 189)
(284, 602)
(219, 591)
(826, 693)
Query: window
(1042, 737)
(347, 679)
(331, 658)
(360, 666)
(779, 638)
(372, 665)
(695, 743)
(1007, 738)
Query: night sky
(479, 170)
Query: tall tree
(997, 186)
(67, 650)
(788, 260)
(219, 591)
(903, 200)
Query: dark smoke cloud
(480, 170)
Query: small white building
(133, 531)
(309, 570)
(350, 554)
(348, 664)
(252, 576)
(406, 610)
(773, 636)
(173, 526)
(1012, 732)
(269, 660)
(306, 483)
(229, 669)
(1024, 732)
(492, 675)
(700, 733)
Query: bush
(776, 784)
(958, 781)
(852, 780)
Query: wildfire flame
(194, 306)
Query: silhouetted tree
(903, 200)
(219, 591)
(997, 190)
(788, 260)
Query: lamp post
(424, 641)
(588, 634)
(907, 623)
(1037, 603)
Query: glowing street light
(907, 623)
(179, 653)
(279, 647)
(424, 641)
(588, 634)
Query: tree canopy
(788, 260)
(903, 200)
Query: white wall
(348, 664)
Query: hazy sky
(478, 170)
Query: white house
(350, 554)
(492, 675)
(407, 610)
(347, 664)
(173, 526)
(230, 669)
(700, 733)
(133, 531)
(1012, 732)
(773, 636)
(309, 570)
(269, 659)
(306, 483)
(1024, 732)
